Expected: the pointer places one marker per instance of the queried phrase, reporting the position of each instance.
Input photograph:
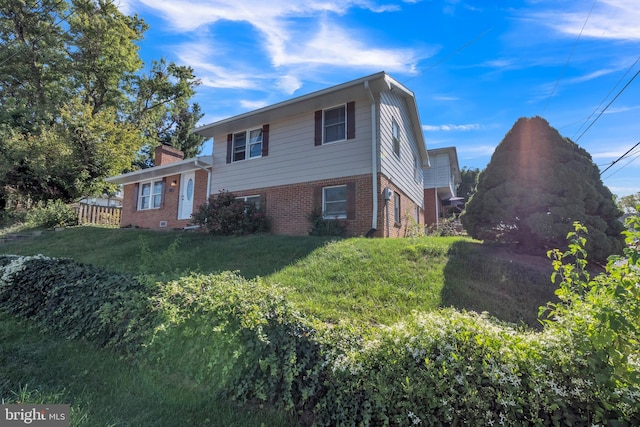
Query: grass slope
(364, 280)
(104, 390)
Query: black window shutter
(229, 147)
(265, 140)
(318, 128)
(136, 192)
(351, 120)
(317, 199)
(351, 200)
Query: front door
(187, 183)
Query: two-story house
(353, 152)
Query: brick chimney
(165, 154)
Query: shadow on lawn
(510, 286)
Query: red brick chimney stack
(165, 154)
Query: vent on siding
(163, 223)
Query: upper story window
(247, 144)
(417, 169)
(150, 196)
(395, 137)
(335, 124)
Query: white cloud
(449, 128)
(253, 105)
(445, 98)
(293, 48)
(610, 19)
(198, 56)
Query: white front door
(187, 184)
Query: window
(334, 202)
(417, 169)
(396, 208)
(335, 124)
(247, 142)
(395, 137)
(150, 196)
(251, 199)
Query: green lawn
(358, 280)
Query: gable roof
(364, 86)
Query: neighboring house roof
(161, 171)
(369, 85)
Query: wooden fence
(92, 214)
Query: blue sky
(474, 66)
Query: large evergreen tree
(533, 189)
(76, 106)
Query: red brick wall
(164, 154)
(430, 208)
(408, 207)
(151, 218)
(289, 206)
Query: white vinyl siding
(401, 169)
(293, 157)
(439, 175)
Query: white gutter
(374, 156)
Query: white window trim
(324, 126)
(151, 194)
(339, 216)
(247, 144)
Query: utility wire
(607, 96)
(455, 52)
(568, 58)
(637, 156)
(621, 157)
(608, 105)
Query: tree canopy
(534, 188)
(76, 104)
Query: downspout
(208, 171)
(374, 158)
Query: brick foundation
(151, 218)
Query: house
(441, 181)
(352, 152)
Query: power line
(624, 166)
(568, 58)
(621, 157)
(608, 105)
(455, 52)
(607, 96)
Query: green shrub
(321, 226)
(227, 215)
(243, 338)
(53, 213)
(79, 301)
